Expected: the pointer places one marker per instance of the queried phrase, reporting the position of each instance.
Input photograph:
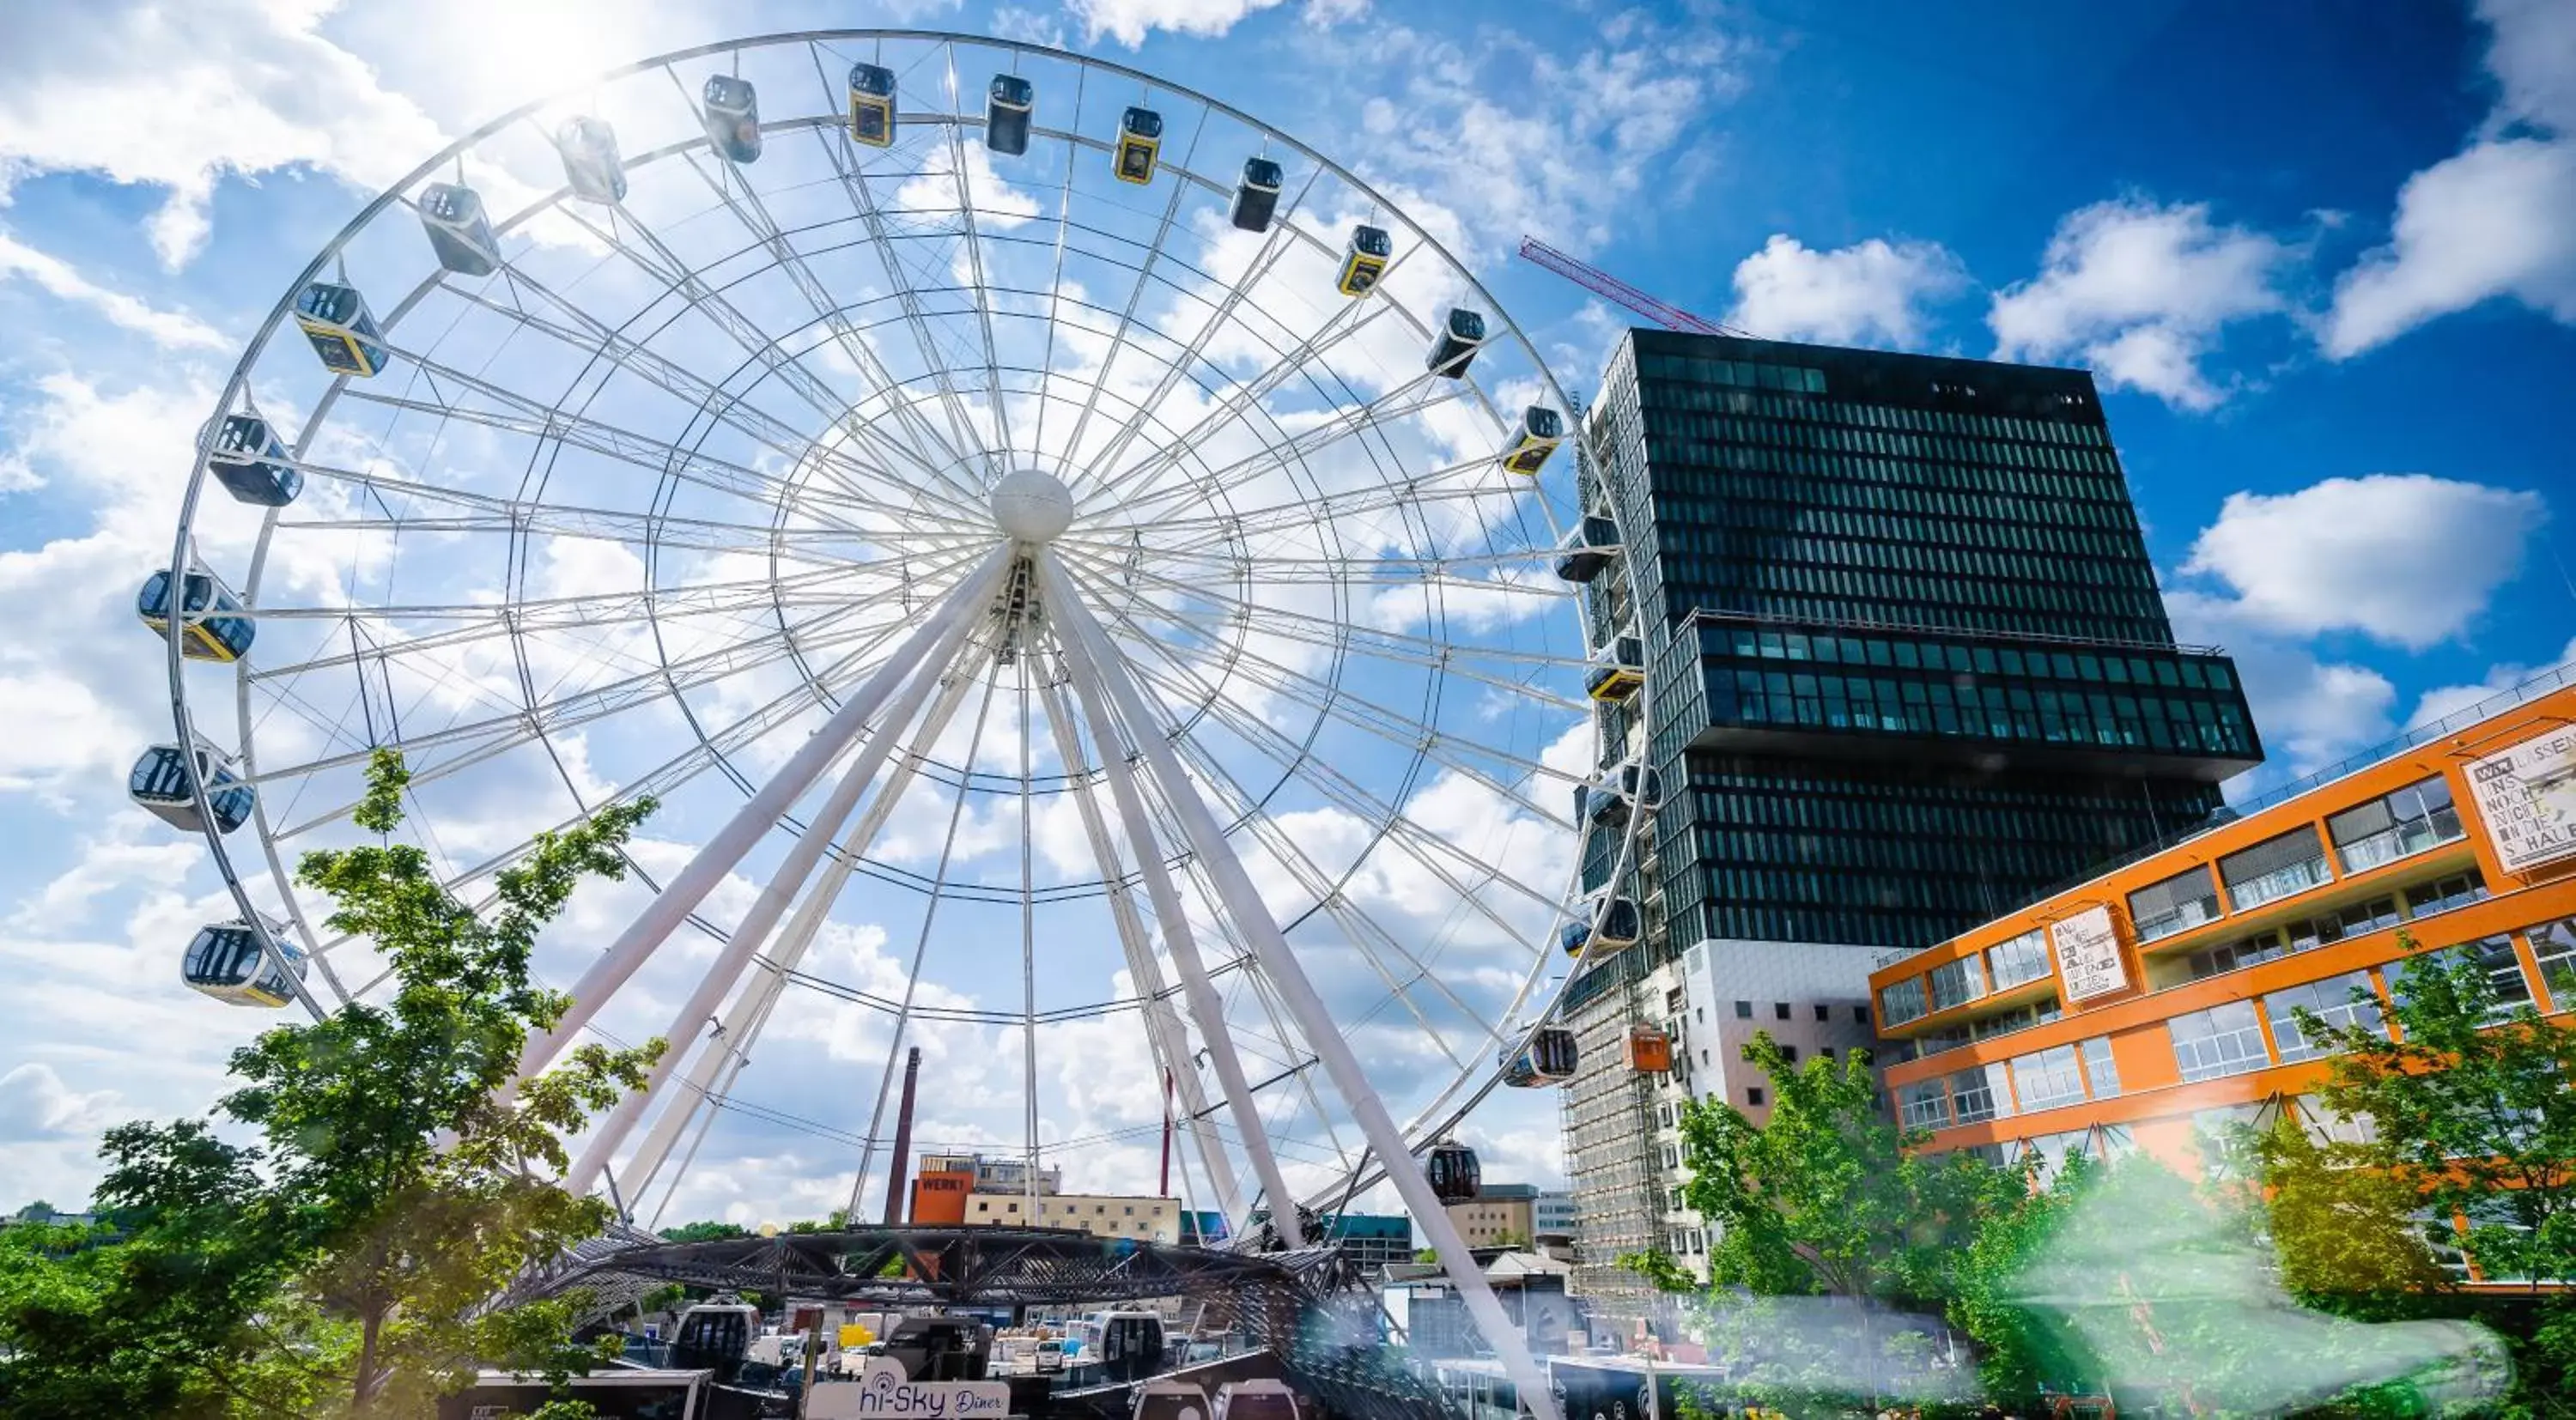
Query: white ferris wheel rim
(1085, 563)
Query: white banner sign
(882, 1390)
(2088, 955)
(2527, 795)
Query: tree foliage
(343, 1261)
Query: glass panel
(2274, 868)
(1924, 1106)
(1956, 983)
(2495, 955)
(1973, 1095)
(2178, 904)
(2555, 944)
(2024, 958)
(2410, 820)
(2344, 1000)
(2046, 1079)
(2223, 1040)
(1902, 1001)
(2099, 1072)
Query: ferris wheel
(1092, 585)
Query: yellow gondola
(1618, 670)
(1540, 432)
(872, 105)
(211, 626)
(335, 320)
(1140, 145)
(1364, 261)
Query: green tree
(2474, 1118)
(2345, 1230)
(352, 1250)
(704, 1232)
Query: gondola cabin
(1650, 1051)
(872, 105)
(1610, 926)
(1256, 1400)
(250, 461)
(1168, 1398)
(715, 1335)
(1618, 669)
(1008, 107)
(1140, 145)
(459, 232)
(1130, 1344)
(226, 961)
(1588, 549)
(212, 627)
(1642, 784)
(1541, 430)
(592, 167)
(1546, 1057)
(731, 108)
(341, 329)
(1455, 1175)
(1256, 195)
(163, 782)
(1454, 345)
(1364, 260)
(1597, 805)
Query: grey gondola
(732, 116)
(1461, 334)
(226, 961)
(1008, 109)
(1455, 1175)
(250, 461)
(162, 782)
(1588, 549)
(1256, 197)
(592, 167)
(459, 231)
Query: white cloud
(2143, 292)
(2403, 558)
(1869, 293)
(178, 96)
(2444, 700)
(2497, 219)
(36, 1104)
(174, 330)
(1130, 21)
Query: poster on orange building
(2527, 796)
(2088, 955)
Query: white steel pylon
(1096, 669)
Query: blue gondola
(1618, 670)
(459, 232)
(212, 627)
(250, 461)
(1008, 106)
(1547, 1056)
(1540, 432)
(732, 116)
(225, 961)
(1140, 144)
(343, 332)
(1256, 197)
(1455, 1175)
(1609, 925)
(1454, 347)
(1588, 549)
(1597, 805)
(871, 90)
(592, 166)
(1364, 260)
(161, 782)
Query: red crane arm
(1602, 283)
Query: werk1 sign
(2088, 954)
(2527, 796)
(882, 1389)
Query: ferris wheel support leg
(749, 1013)
(1163, 1028)
(1252, 917)
(753, 931)
(936, 639)
(1088, 679)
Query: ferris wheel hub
(1032, 505)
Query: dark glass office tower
(1907, 657)
(1906, 666)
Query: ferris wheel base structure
(789, 417)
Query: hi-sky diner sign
(882, 1389)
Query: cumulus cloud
(36, 1104)
(2407, 559)
(1869, 293)
(1130, 21)
(2444, 700)
(2142, 292)
(2311, 710)
(2496, 220)
(172, 330)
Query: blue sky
(2326, 275)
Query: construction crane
(1602, 283)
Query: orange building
(939, 1196)
(2138, 1009)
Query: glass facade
(1908, 659)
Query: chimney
(894, 1209)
